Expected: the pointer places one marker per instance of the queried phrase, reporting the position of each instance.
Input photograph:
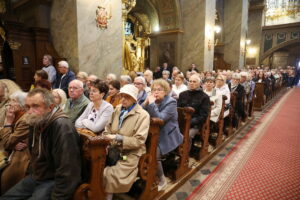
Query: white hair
(77, 82)
(20, 97)
(166, 72)
(112, 76)
(148, 72)
(126, 78)
(197, 77)
(63, 63)
(141, 79)
(63, 96)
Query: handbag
(113, 155)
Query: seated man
(54, 148)
(64, 77)
(194, 97)
(77, 102)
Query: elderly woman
(140, 83)
(223, 89)
(128, 131)
(215, 97)
(159, 104)
(98, 111)
(114, 89)
(60, 98)
(14, 140)
(179, 86)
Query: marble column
(198, 38)
(87, 47)
(235, 32)
(255, 32)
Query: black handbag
(113, 155)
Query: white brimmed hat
(130, 90)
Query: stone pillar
(235, 32)
(255, 31)
(87, 47)
(198, 38)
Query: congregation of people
(39, 137)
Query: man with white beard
(55, 168)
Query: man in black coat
(197, 99)
(55, 165)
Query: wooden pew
(148, 163)
(184, 121)
(94, 155)
(221, 122)
(205, 136)
(259, 96)
(231, 113)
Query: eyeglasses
(137, 83)
(157, 90)
(73, 88)
(192, 81)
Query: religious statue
(103, 14)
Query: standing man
(64, 77)
(49, 68)
(55, 168)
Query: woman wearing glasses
(159, 104)
(98, 111)
(13, 137)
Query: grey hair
(78, 82)
(63, 63)
(50, 59)
(126, 78)
(46, 94)
(112, 76)
(148, 72)
(20, 97)
(141, 79)
(166, 72)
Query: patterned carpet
(259, 163)
(264, 164)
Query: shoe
(161, 186)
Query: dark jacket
(57, 157)
(170, 137)
(239, 106)
(198, 100)
(63, 82)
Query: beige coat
(135, 127)
(19, 160)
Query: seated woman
(114, 89)
(98, 111)
(128, 130)
(179, 86)
(60, 97)
(14, 140)
(215, 97)
(39, 75)
(159, 104)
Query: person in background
(113, 94)
(14, 138)
(60, 98)
(83, 77)
(124, 80)
(39, 75)
(98, 111)
(111, 77)
(179, 85)
(148, 74)
(77, 102)
(49, 68)
(43, 83)
(140, 84)
(64, 77)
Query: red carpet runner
(266, 163)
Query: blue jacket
(63, 82)
(170, 137)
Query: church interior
(251, 155)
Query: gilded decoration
(282, 8)
(103, 14)
(14, 45)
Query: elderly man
(148, 74)
(54, 148)
(197, 99)
(64, 77)
(3, 102)
(49, 68)
(77, 102)
(124, 80)
(140, 84)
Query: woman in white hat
(128, 131)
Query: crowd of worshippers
(40, 146)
